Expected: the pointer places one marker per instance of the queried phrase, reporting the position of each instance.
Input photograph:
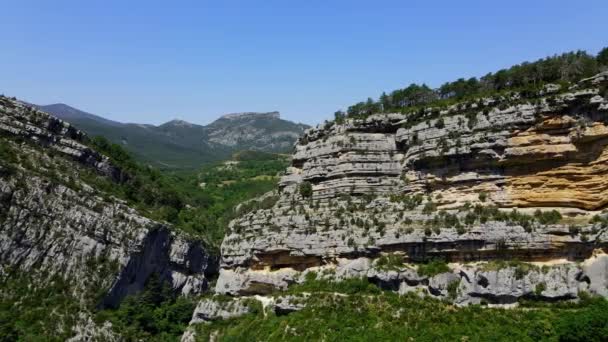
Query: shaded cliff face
(54, 224)
(504, 177)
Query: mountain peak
(64, 107)
(178, 122)
(243, 115)
(72, 115)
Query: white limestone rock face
(220, 308)
(596, 272)
(470, 283)
(211, 310)
(21, 120)
(254, 131)
(51, 229)
(390, 183)
(242, 282)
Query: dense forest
(527, 76)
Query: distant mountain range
(179, 144)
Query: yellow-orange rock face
(564, 165)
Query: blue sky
(152, 61)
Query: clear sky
(152, 61)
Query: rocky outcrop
(54, 224)
(23, 121)
(497, 178)
(495, 282)
(52, 228)
(218, 308)
(254, 131)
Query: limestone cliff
(53, 224)
(507, 177)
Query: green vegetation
(433, 267)
(445, 219)
(410, 202)
(305, 189)
(184, 146)
(527, 78)
(521, 268)
(8, 157)
(389, 262)
(602, 58)
(547, 217)
(313, 283)
(155, 314)
(200, 203)
(429, 207)
(483, 214)
(540, 287)
(36, 313)
(366, 313)
(483, 196)
(601, 220)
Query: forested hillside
(200, 202)
(180, 145)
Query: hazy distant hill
(180, 144)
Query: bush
(540, 287)
(433, 267)
(389, 262)
(548, 217)
(585, 325)
(429, 208)
(483, 196)
(305, 189)
(453, 289)
(439, 124)
(409, 202)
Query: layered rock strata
(497, 178)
